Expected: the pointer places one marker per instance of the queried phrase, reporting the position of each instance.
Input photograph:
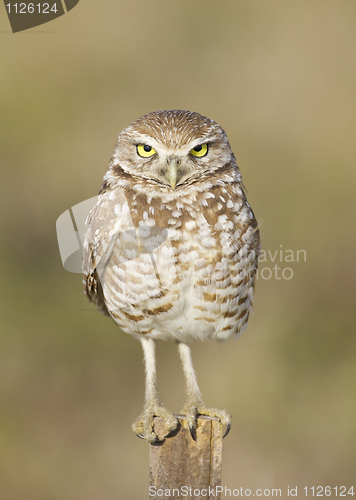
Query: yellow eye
(200, 150)
(145, 150)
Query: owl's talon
(173, 432)
(140, 435)
(156, 441)
(193, 432)
(228, 427)
(192, 410)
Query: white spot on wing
(191, 224)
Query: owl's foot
(143, 426)
(193, 409)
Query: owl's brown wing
(92, 286)
(102, 227)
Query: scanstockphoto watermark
(279, 263)
(212, 492)
(289, 491)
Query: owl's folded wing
(101, 234)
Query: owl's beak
(172, 171)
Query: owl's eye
(145, 150)
(200, 150)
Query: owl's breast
(188, 275)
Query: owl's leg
(143, 426)
(194, 405)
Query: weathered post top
(179, 463)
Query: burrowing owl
(171, 247)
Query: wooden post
(179, 463)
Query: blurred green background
(280, 77)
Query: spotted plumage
(172, 245)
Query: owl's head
(171, 149)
